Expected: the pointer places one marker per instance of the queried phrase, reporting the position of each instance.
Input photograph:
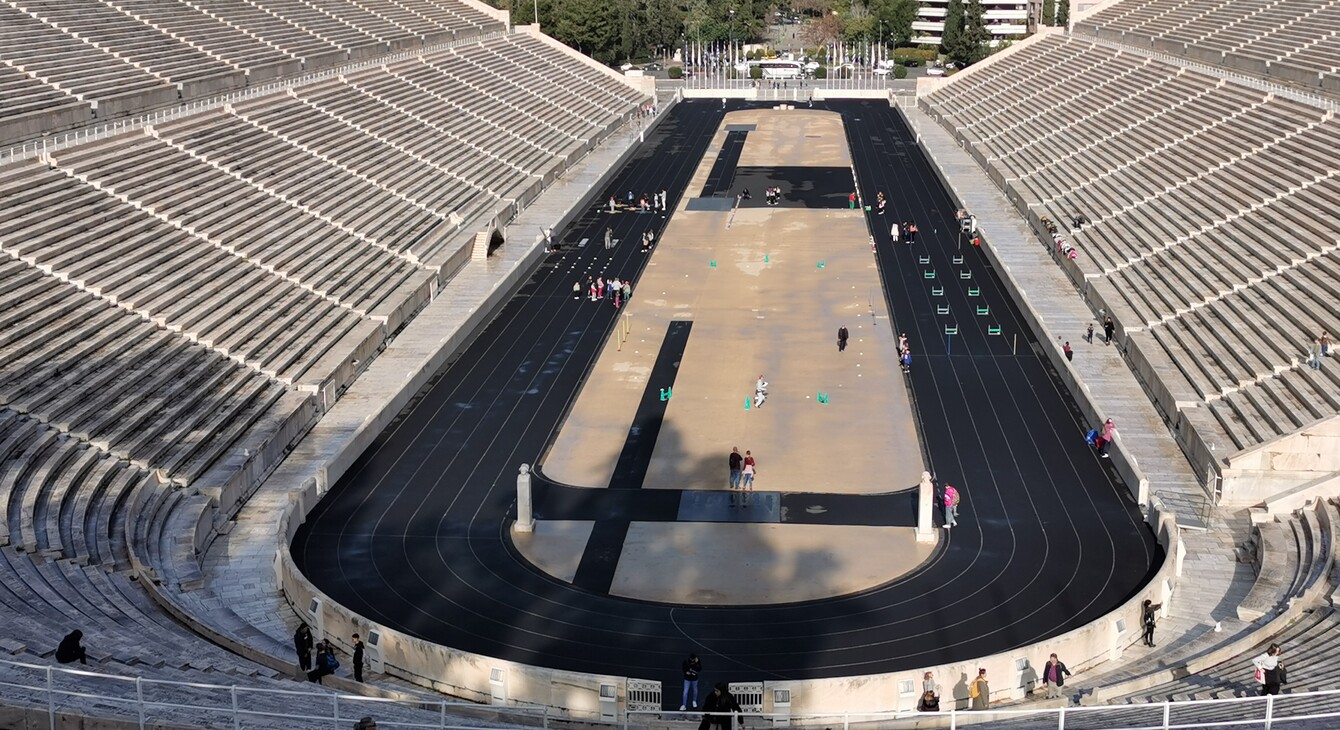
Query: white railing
(37, 147)
(1279, 712)
(150, 702)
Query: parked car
(935, 71)
(912, 62)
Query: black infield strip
(722, 176)
(416, 535)
(595, 572)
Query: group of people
(880, 203)
(598, 289)
(1100, 438)
(773, 195)
(325, 661)
(645, 203)
(1320, 347)
(906, 231)
(904, 354)
(742, 470)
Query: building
(1006, 19)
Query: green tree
(898, 20)
(588, 26)
(970, 44)
(1048, 12)
(953, 27)
(1063, 13)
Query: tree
(823, 31)
(899, 18)
(970, 44)
(1063, 13)
(953, 27)
(1048, 12)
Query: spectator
(358, 658)
(302, 643)
(842, 338)
(736, 462)
(1269, 670)
(979, 692)
(930, 694)
(951, 506)
(366, 723)
(326, 663)
(1109, 328)
(1069, 353)
(71, 649)
(1149, 617)
(1054, 675)
(691, 668)
(718, 708)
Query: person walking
(951, 507)
(842, 338)
(1105, 437)
(358, 658)
(979, 692)
(736, 463)
(576, 290)
(609, 238)
(71, 648)
(1109, 328)
(747, 472)
(1149, 618)
(627, 290)
(691, 668)
(719, 708)
(1088, 336)
(1054, 674)
(906, 361)
(1269, 670)
(1314, 354)
(302, 643)
(1069, 353)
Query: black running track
(416, 535)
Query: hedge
(675, 72)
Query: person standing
(1088, 336)
(1314, 354)
(979, 692)
(906, 361)
(736, 463)
(1069, 353)
(358, 658)
(747, 473)
(1109, 328)
(1109, 433)
(951, 506)
(1269, 670)
(691, 668)
(326, 663)
(851, 201)
(1054, 675)
(609, 238)
(1149, 618)
(302, 643)
(842, 338)
(576, 290)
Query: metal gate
(749, 695)
(644, 695)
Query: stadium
(402, 332)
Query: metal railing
(1277, 712)
(150, 702)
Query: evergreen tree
(970, 43)
(1049, 12)
(953, 27)
(1063, 13)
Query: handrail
(54, 687)
(1254, 710)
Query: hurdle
(937, 291)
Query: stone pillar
(525, 518)
(926, 509)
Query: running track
(415, 536)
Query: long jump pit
(738, 289)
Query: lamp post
(537, 12)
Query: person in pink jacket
(951, 506)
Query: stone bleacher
(1213, 234)
(1287, 40)
(181, 301)
(71, 60)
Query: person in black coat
(358, 658)
(70, 649)
(302, 643)
(326, 663)
(718, 708)
(1054, 675)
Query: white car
(935, 71)
(883, 71)
(626, 67)
(811, 66)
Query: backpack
(1091, 437)
(329, 662)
